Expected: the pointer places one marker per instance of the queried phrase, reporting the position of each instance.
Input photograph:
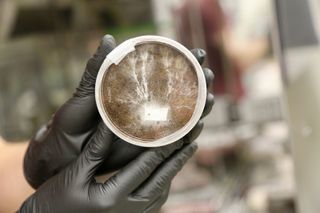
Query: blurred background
(259, 149)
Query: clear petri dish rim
(115, 56)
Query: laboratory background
(259, 151)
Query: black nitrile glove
(141, 186)
(61, 141)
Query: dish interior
(151, 93)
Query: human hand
(61, 141)
(141, 186)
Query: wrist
(2, 142)
(13, 191)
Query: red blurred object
(200, 25)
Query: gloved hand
(60, 142)
(141, 186)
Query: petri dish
(150, 91)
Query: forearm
(14, 189)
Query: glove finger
(107, 44)
(209, 104)
(208, 74)
(200, 55)
(121, 153)
(156, 205)
(164, 174)
(88, 80)
(135, 173)
(77, 116)
(94, 153)
(194, 133)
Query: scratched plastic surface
(151, 93)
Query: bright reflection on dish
(152, 112)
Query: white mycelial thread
(166, 60)
(133, 65)
(145, 62)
